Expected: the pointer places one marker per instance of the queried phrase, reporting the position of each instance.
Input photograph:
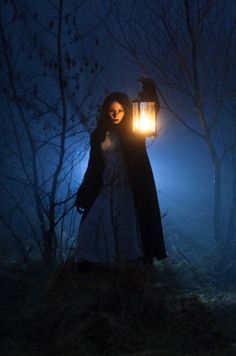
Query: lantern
(145, 109)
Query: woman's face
(116, 112)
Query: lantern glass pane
(144, 117)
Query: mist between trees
(48, 75)
(51, 66)
(188, 48)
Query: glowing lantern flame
(144, 118)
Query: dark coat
(142, 185)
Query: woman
(121, 218)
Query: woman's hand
(80, 210)
(80, 201)
(85, 197)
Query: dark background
(58, 60)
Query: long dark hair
(104, 122)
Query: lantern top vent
(148, 92)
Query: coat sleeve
(92, 180)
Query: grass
(120, 312)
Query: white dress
(110, 232)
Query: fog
(97, 58)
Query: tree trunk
(49, 243)
(217, 204)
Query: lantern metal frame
(147, 95)
(140, 101)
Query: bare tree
(188, 48)
(48, 72)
